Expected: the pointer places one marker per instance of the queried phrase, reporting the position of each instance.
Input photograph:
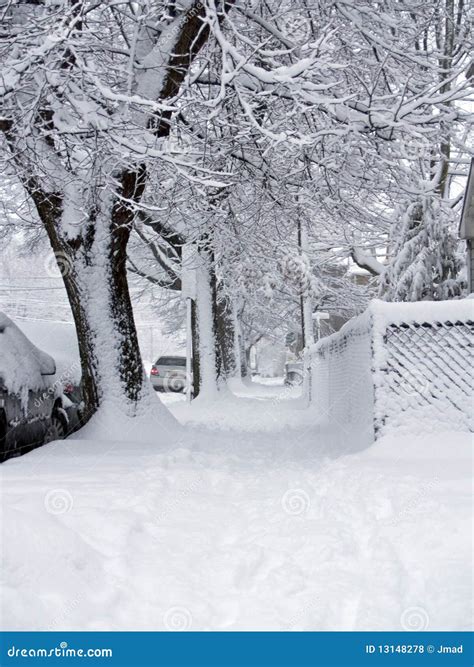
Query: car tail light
(154, 371)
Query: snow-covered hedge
(398, 365)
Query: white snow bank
(23, 366)
(279, 407)
(238, 530)
(154, 423)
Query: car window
(171, 361)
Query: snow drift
(234, 529)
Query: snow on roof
(22, 364)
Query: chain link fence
(396, 366)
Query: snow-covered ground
(244, 517)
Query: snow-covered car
(73, 405)
(169, 374)
(32, 404)
(293, 372)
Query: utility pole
(306, 306)
(189, 295)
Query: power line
(28, 289)
(37, 319)
(53, 304)
(30, 278)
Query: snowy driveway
(250, 524)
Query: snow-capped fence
(395, 364)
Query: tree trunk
(110, 355)
(93, 267)
(224, 331)
(196, 352)
(239, 346)
(215, 324)
(244, 366)
(208, 372)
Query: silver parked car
(169, 374)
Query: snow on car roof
(22, 364)
(58, 339)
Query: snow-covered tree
(426, 261)
(88, 91)
(226, 126)
(424, 257)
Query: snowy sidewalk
(248, 524)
